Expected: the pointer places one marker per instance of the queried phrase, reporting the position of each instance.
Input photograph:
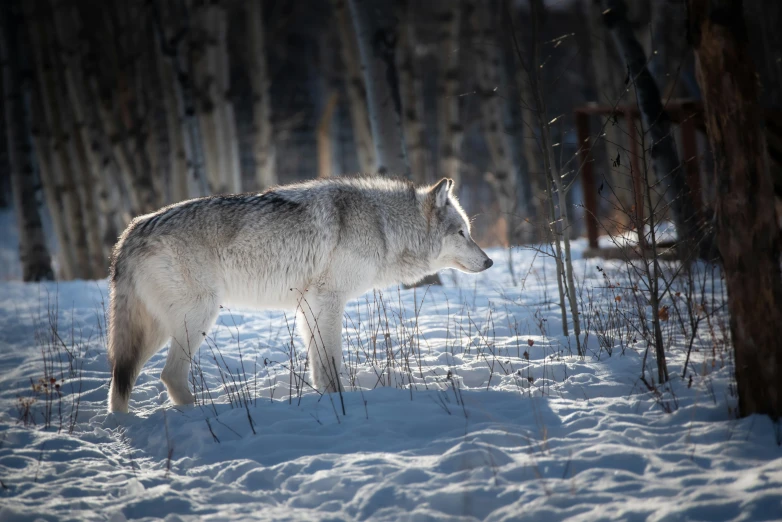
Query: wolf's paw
(325, 383)
(180, 397)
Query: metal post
(587, 177)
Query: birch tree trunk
(114, 88)
(152, 108)
(33, 252)
(216, 114)
(61, 167)
(747, 230)
(354, 83)
(504, 176)
(44, 155)
(375, 26)
(176, 52)
(260, 80)
(177, 151)
(449, 126)
(102, 171)
(665, 157)
(531, 148)
(116, 209)
(232, 171)
(76, 170)
(411, 85)
(86, 160)
(203, 50)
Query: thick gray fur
(310, 247)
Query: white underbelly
(256, 291)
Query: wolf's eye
(461, 233)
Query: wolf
(309, 246)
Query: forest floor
(461, 402)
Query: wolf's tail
(132, 330)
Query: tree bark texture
(531, 146)
(207, 40)
(747, 231)
(504, 176)
(449, 126)
(116, 89)
(33, 252)
(263, 145)
(176, 49)
(376, 29)
(62, 174)
(230, 142)
(179, 186)
(354, 85)
(411, 86)
(86, 162)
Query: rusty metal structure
(687, 114)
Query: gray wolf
(309, 246)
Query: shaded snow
(483, 432)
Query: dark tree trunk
(657, 125)
(747, 231)
(33, 253)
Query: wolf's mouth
(467, 269)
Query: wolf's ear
(440, 192)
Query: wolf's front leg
(319, 319)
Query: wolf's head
(451, 228)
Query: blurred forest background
(114, 108)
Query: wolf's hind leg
(135, 335)
(186, 340)
(319, 319)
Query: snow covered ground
(462, 402)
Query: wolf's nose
(487, 264)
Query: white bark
(504, 175)
(263, 146)
(176, 51)
(356, 91)
(177, 154)
(375, 25)
(85, 157)
(65, 255)
(53, 197)
(411, 85)
(450, 130)
(215, 111)
(61, 167)
(232, 172)
(203, 50)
